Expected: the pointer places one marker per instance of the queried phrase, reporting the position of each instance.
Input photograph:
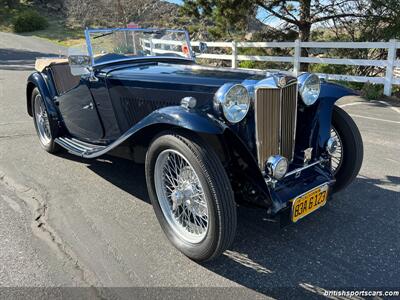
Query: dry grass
(57, 32)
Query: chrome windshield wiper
(104, 34)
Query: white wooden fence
(391, 65)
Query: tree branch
(336, 16)
(270, 9)
(288, 12)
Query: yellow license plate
(309, 202)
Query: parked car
(210, 138)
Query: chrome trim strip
(141, 58)
(145, 30)
(320, 161)
(295, 117)
(230, 70)
(314, 188)
(280, 120)
(255, 120)
(295, 121)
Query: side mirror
(79, 64)
(203, 47)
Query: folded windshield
(115, 44)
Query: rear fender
(36, 80)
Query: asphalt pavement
(71, 222)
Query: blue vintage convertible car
(210, 138)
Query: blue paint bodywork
(131, 97)
(330, 93)
(46, 89)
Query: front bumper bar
(297, 183)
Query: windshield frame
(88, 31)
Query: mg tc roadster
(210, 138)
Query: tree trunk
(122, 18)
(305, 28)
(304, 36)
(305, 32)
(12, 3)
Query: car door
(79, 112)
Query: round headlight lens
(277, 166)
(310, 89)
(281, 169)
(236, 103)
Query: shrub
(372, 91)
(368, 90)
(247, 64)
(29, 20)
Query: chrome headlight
(234, 99)
(277, 166)
(310, 87)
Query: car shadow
(122, 173)
(350, 243)
(20, 60)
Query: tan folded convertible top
(42, 63)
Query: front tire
(191, 195)
(348, 160)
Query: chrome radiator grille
(275, 117)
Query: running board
(80, 148)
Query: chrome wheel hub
(181, 196)
(177, 198)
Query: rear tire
(45, 127)
(352, 148)
(210, 226)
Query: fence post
(297, 56)
(389, 67)
(151, 47)
(234, 55)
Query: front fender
(330, 93)
(36, 80)
(167, 117)
(185, 118)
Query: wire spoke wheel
(42, 120)
(337, 157)
(181, 196)
(191, 194)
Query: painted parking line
(372, 118)
(392, 160)
(379, 101)
(375, 119)
(390, 106)
(351, 104)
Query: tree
(300, 15)
(12, 3)
(117, 13)
(381, 23)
